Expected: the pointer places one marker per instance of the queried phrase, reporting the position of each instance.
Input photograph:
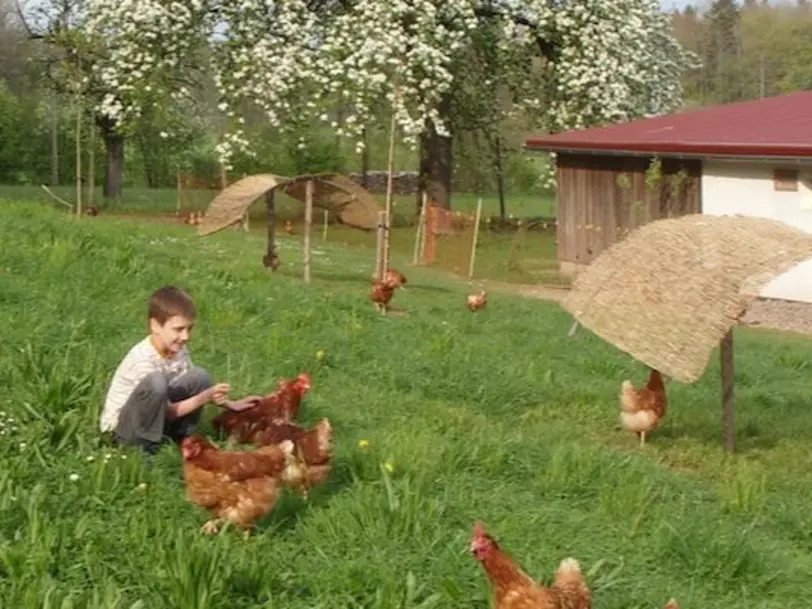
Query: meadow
(503, 253)
(496, 415)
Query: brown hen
(515, 589)
(643, 409)
(312, 446)
(281, 405)
(381, 294)
(237, 486)
(477, 301)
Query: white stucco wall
(747, 188)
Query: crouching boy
(156, 393)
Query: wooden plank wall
(602, 198)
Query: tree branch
(546, 47)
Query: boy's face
(173, 335)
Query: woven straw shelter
(350, 203)
(674, 289)
(671, 290)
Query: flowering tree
(599, 61)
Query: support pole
(728, 406)
(379, 272)
(326, 223)
(421, 226)
(271, 259)
(179, 196)
(476, 238)
(390, 170)
(308, 228)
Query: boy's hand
(218, 394)
(244, 404)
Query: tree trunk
(54, 141)
(149, 171)
(437, 160)
(114, 172)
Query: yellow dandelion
(320, 354)
(363, 444)
(389, 467)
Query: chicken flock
(242, 486)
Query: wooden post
(308, 228)
(424, 232)
(421, 221)
(476, 238)
(79, 155)
(271, 260)
(379, 272)
(390, 169)
(326, 222)
(728, 408)
(91, 162)
(179, 196)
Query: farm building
(752, 158)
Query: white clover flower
(73, 477)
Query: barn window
(785, 180)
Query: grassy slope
(164, 200)
(497, 416)
(504, 255)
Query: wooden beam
(308, 228)
(728, 406)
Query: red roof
(778, 126)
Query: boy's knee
(153, 384)
(197, 379)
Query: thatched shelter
(350, 203)
(674, 288)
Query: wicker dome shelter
(674, 288)
(351, 203)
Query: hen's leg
(212, 527)
(642, 438)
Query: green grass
(496, 416)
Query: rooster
(238, 487)
(92, 210)
(281, 405)
(477, 301)
(515, 589)
(642, 410)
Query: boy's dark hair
(169, 301)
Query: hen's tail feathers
(655, 381)
(324, 433)
(628, 396)
(569, 573)
(570, 582)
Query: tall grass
(496, 416)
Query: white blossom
(611, 60)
